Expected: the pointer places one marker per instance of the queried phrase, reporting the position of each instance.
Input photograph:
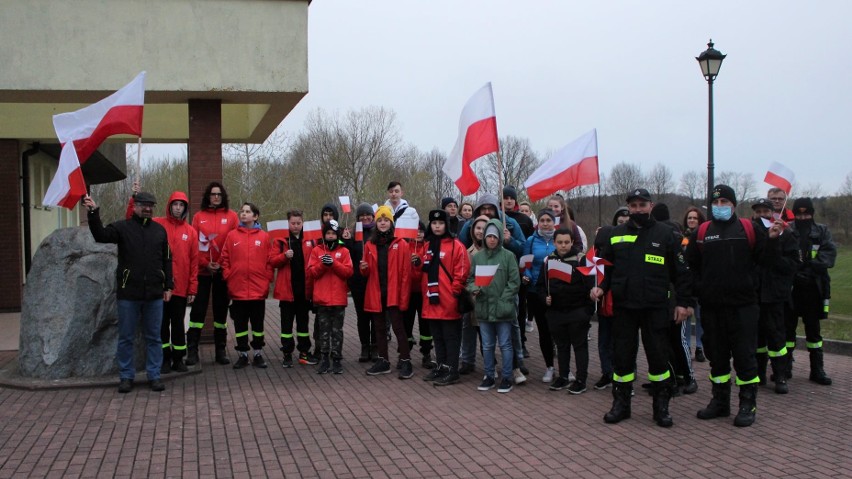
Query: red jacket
(216, 222)
(454, 258)
(183, 241)
(418, 248)
(283, 284)
(398, 276)
(246, 263)
(329, 282)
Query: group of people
(486, 271)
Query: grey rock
(69, 320)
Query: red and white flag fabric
(595, 266)
(278, 229)
(406, 228)
(525, 262)
(477, 138)
(345, 204)
(375, 208)
(359, 231)
(780, 176)
(312, 230)
(575, 164)
(84, 130)
(559, 270)
(484, 274)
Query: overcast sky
(561, 68)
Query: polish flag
(780, 176)
(485, 274)
(595, 266)
(359, 231)
(312, 230)
(344, 203)
(575, 164)
(279, 229)
(477, 138)
(375, 208)
(525, 262)
(85, 130)
(406, 228)
(559, 270)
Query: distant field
(839, 322)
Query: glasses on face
(215, 194)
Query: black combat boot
(817, 373)
(720, 405)
(221, 355)
(748, 406)
(191, 348)
(662, 393)
(166, 367)
(779, 375)
(621, 393)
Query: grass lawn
(839, 322)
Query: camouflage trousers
(330, 320)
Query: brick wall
(11, 256)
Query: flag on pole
(484, 274)
(595, 266)
(525, 262)
(575, 164)
(84, 130)
(344, 203)
(278, 229)
(559, 270)
(375, 208)
(780, 176)
(312, 230)
(359, 231)
(477, 138)
(406, 228)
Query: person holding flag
(494, 281)
(470, 327)
(364, 224)
(567, 309)
(213, 223)
(540, 245)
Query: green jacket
(496, 302)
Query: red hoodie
(329, 282)
(183, 241)
(215, 222)
(246, 263)
(455, 259)
(398, 276)
(283, 283)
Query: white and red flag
(312, 230)
(780, 176)
(595, 266)
(359, 231)
(575, 164)
(406, 228)
(375, 208)
(477, 138)
(85, 130)
(484, 274)
(345, 204)
(559, 270)
(525, 262)
(278, 229)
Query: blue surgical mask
(722, 213)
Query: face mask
(641, 219)
(804, 224)
(330, 244)
(722, 213)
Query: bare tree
(742, 183)
(624, 177)
(660, 181)
(519, 161)
(694, 185)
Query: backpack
(747, 226)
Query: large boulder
(69, 320)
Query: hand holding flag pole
(596, 269)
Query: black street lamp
(710, 61)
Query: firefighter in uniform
(646, 259)
(811, 286)
(724, 258)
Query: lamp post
(710, 61)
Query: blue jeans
(130, 312)
(492, 332)
(699, 331)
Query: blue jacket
(537, 246)
(516, 245)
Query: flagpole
(139, 160)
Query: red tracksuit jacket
(216, 222)
(398, 276)
(246, 263)
(454, 258)
(329, 282)
(283, 284)
(183, 241)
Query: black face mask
(641, 219)
(330, 244)
(804, 224)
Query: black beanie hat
(438, 215)
(660, 212)
(725, 191)
(364, 209)
(803, 206)
(448, 200)
(330, 225)
(511, 192)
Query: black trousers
(295, 310)
(172, 333)
(219, 289)
(447, 339)
(366, 335)
(570, 329)
(415, 307)
(807, 304)
(771, 330)
(536, 309)
(380, 324)
(243, 313)
(654, 324)
(731, 331)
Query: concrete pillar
(204, 151)
(11, 255)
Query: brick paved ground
(294, 423)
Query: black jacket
(818, 253)
(144, 269)
(775, 280)
(566, 297)
(645, 263)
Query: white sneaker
(530, 326)
(571, 377)
(548, 375)
(518, 376)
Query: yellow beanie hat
(384, 211)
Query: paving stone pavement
(294, 423)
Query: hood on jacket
(473, 226)
(330, 207)
(178, 196)
(486, 199)
(499, 225)
(621, 211)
